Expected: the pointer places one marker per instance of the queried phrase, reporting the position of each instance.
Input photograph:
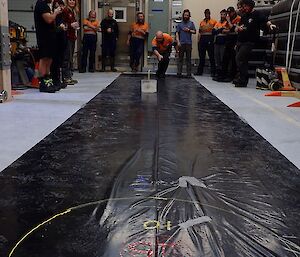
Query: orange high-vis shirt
(220, 25)
(137, 26)
(162, 46)
(206, 26)
(87, 22)
(236, 20)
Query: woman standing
(70, 19)
(60, 47)
(90, 29)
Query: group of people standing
(56, 25)
(138, 32)
(110, 33)
(228, 42)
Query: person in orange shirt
(90, 29)
(162, 46)
(206, 43)
(229, 64)
(220, 30)
(136, 38)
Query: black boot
(57, 85)
(103, 65)
(112, 64)
(46, 84)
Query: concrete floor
(31, 116)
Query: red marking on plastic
(145, 249)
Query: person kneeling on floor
(162, 46)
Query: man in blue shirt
(184, 32)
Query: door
(158, 18)
(125, 12)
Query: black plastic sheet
(173, 174)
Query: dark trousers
(206, 45)
(185, 49)
(108, 49)
(229, 63)
(89, 45)
(68, 60)
(243, 53)
(136, 51)
(219, 50)
(57, 63)
(163, 64)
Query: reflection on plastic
(224, 213)
(208, 217)
(189, 179)
(149, 98)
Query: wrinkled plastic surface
(176, 174)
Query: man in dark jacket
(110, 34)
(248, 34)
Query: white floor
(269, 116)
(30, 117)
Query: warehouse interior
(197, 168)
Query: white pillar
(5, 76)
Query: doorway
(125, 12)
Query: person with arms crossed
(136, 38)
(206, 43)
(89, 43)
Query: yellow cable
(37, 227)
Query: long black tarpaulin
(173, 174)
